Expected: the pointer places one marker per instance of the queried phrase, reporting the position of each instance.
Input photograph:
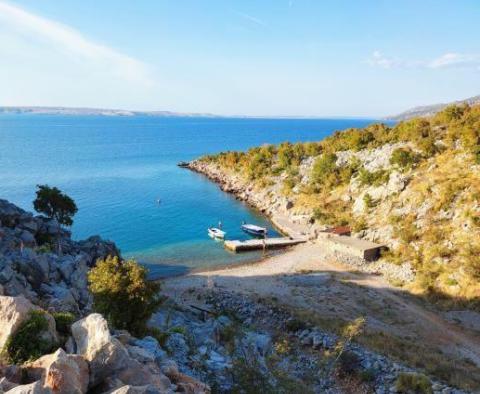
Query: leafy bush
(359, 224)
(27, 343)
(348, 363)
(428, 146)
(63, 321)
(248, 377)
(123, 295)
(369, 201)
(159, 335)
(178, 330)
(375, 178)
(227, 335)
(55, 204)
(367, 375)
(294, 325)
(416, 383)
(403, 158)
(324, 167)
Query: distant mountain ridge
(95, 111)
(429, 110)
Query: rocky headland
(45, 281)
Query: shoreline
(275, 210)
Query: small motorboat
(214, 232)
(254, 230)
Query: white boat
(254, 230)
(214, 232)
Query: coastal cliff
(413, 187)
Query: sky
(365, 58)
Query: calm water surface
(117, 167)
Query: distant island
(96, 112)
(429, 110)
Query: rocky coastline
(280, 211)
(268, 201)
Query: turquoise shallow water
(117, 167)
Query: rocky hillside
(414, 187)
(430, 110)
(51, 276)
(50, 341)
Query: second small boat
(254, 230)
(214, 232)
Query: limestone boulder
(185, 383)
(139, 374)
(105, 354)
(32, 388)
(61, 372)
(136, 390)
(14, 311)
(6, 384)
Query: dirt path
(305, 278)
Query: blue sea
(116, 168)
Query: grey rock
(152, 346)
(177, 346)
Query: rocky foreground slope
(43, 273)
(237, 344)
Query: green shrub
(123, 295)
(248, 377)
(294, 325)
(159, 335)
(369, 201)
(413, 383)
(178, 330)
(324, 167)
(45, 241)
(359, 224)
(227, 335)
(348, 363)
(45, 248)
(367, 375)
(63, 321)
(375, 178)
(476, 154)
(403, 158)
(26, 343)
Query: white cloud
(455, 60)
(19, 24)
(447, 60)
(379, 60)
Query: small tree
(123, 295)
(55, 204)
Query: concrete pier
(258, 244)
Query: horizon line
(50, 109)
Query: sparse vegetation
(63, 321)
(438, 217)
(403, 158)
(28, 341)
(375, 178)
(413, 383)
